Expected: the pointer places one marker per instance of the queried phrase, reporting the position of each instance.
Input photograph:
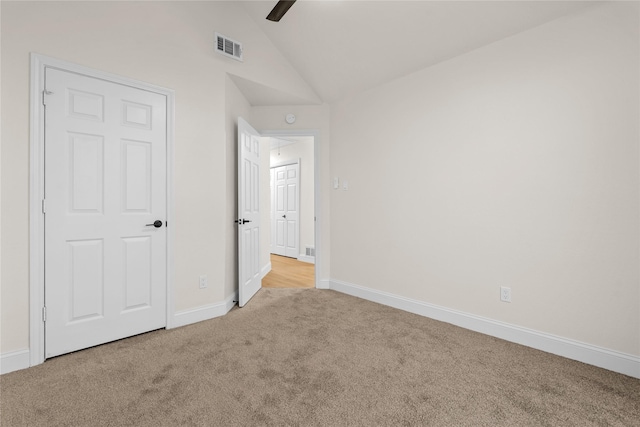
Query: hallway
(289, 273)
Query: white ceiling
(345, 47)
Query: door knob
(284, 216)
(157, 224)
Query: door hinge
(44, 314)
(44, 96)
(44, 206)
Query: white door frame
(317, 199)
(36, 191)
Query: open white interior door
(248, 212)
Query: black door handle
(244, 221)
(284, 216)
(157, 224)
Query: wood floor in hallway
(289, 273)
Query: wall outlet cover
(505, 294)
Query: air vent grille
(310, 251)
(228, 47)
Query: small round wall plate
(290, 118)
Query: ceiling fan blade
(279, 10)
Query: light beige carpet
(307, 357)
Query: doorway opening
(291, 213)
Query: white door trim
(317, 196)
(36, 190)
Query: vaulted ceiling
(345, 47)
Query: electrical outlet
(505, 294)
(203, 281)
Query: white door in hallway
(286, 210)
(248, 212)
(105, 186)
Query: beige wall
(169, 44)
(513, 165)
(304, 152)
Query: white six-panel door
(105, 180)
(285, 211)
(249, 212)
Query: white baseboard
(14, 361)
(20, 359)
(593, 355)
(305, 258)
(265, 270)
(187, 317)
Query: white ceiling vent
(228, 47)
